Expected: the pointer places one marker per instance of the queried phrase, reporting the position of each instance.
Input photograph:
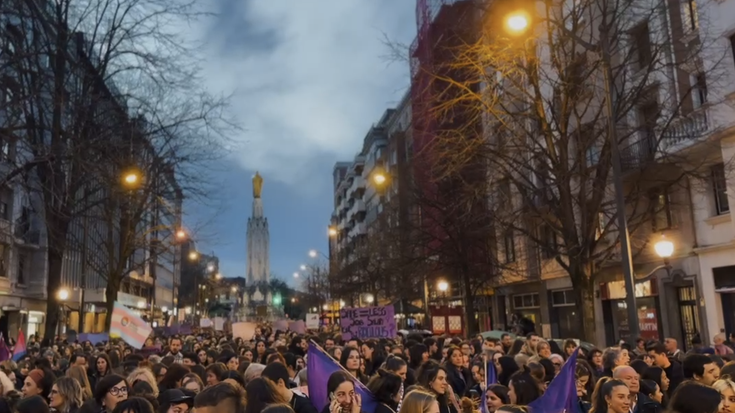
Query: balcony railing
(687, 129)
(639, 153)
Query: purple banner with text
(368, 322)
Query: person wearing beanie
(38, 382)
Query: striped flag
(128, 326)
(20, 346)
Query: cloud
(310, 77)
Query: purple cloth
(491, 377)
(4, 350)
(94, 338)
(319, 367)
(561, 395)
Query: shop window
(522, 301)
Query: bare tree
(544, 99)
(84, 72)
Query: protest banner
(312, 321)
(368, 322)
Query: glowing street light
(187, 310)
(63, 294)
(332, 231)
(180, 234)
(313, 253)
(234, 289)
(164, 309)
(193, 256)
(369, 298)
(218, 276)
(379, 178)
(296, 275)
(131, 178)
(664, 248)
(443, 286)
(517, 22)
(302, 267)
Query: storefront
(615, 315)
(528, 305)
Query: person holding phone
(342, 395)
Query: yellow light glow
(63, 294)
(332, 232)
(443, 286)
(181, 234)
(193, 255)
(379, 178)
(664, 248)
(517, 22)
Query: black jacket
(301, 404)
(460, 380)
(675, 373)
(645, 404)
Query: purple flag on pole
(319, 366)
(491, 377)
(561, 395)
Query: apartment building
(674, 149)
(365, 209)
(25, 250)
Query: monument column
(258, 239)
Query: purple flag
(4, 350)
(561, 395)
(491, 377)
(319, 366)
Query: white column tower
(258, 258)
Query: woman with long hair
(397, 365)
(419, 401)
(216, 372)
(611, 396)
(80, 374)
(260, 351)
(66, 395)
(342, 395)
(726, 387)
(505, 369)
(496, 396)
(458, 376)
(350, 360)
(523, 389)
(102, 366)
(433, 377)
(387, 388)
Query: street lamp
(369, 298)
(302, 267)
(131, 178)
(193, 256)
(63, 294)
(443, 286)
(664, 248)
(181, 234)
(313, 253)
(296, 275)
(332, 231)
(218, 276)
(516, 22)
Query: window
(661, 210)
(550, 246)
(641, 43)
(689, 16)
(5, 199)
(522, 301)
(23, 267)
(561, 298)
(699, 89)
(3, 260)
(719, 188)
(601, 224)
(509, 246)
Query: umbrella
(496, 334)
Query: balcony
(357, 207)
(686, 130)
(639, 153)
(24, 233)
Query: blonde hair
(6, 383)
(417, 401)
(144, 374)
(71, 391)
(80, 374)
(723, 384)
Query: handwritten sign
(368, 322)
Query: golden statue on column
(257, 185)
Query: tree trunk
(584, 290)
(469, 305)
(53, 307)
(113, 286)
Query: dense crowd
(212, 372)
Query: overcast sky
(309, 77)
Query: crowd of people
(212, 372)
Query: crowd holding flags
(129, 326)
(561, 395)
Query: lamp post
(443, 287)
